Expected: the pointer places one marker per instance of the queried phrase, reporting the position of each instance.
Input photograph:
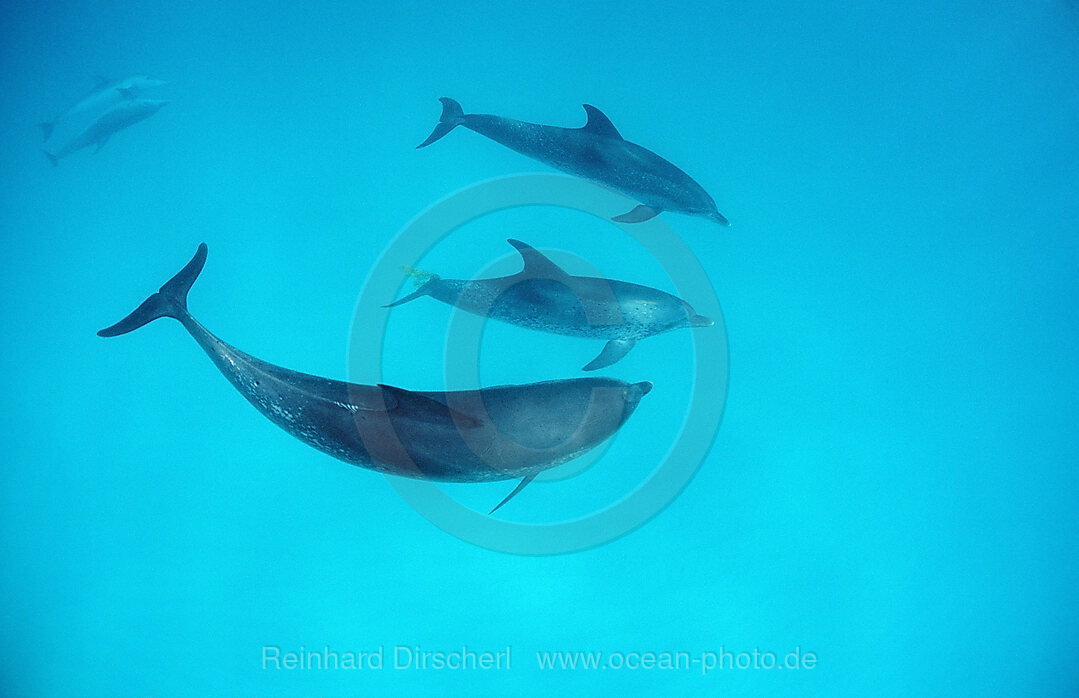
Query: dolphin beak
(633, 396)
(720, 218)
(701, 321)
(635, 392)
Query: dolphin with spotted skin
(545, 297)
(595, 151)
(497, 433)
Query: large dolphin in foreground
(513, 431)
(105, 94)
(596, 151)
(545, 297)
(99, 132)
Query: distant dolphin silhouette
(103, 95)
(545, 297)
(512, 431)
(99, 132)
(596, 151)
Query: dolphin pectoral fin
(424, 408)
(520, 486)
(101, 81)
(537, 266)
(100, 145)
(612, 353)
(127, 93)
(598, 123)
(638, 215)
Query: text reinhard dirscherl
(464, 658)
(398, 657)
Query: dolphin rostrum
(596, 151)
(99, 132)
(498, 433)
(103, 95)
(545, 297)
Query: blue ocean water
(892, 490)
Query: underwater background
(894, 486)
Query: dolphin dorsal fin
(370, 398)
(426, 409)
(537, 266)
(599, 124)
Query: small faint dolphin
(99, 132)
(103, 95)
(596, 151)
(511, 431)
(545, 297)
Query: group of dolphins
(119, 104)
(496, 433)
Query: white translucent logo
(462, 341)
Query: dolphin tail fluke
(418, 293)
(46, 129)
(169, 301)
(452, 115)
(53, 160)
(612, 353)
(520, 486)
(422, 280)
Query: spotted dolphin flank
(497, 433)
(545, 297)
(112, 121)
(596, 151)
